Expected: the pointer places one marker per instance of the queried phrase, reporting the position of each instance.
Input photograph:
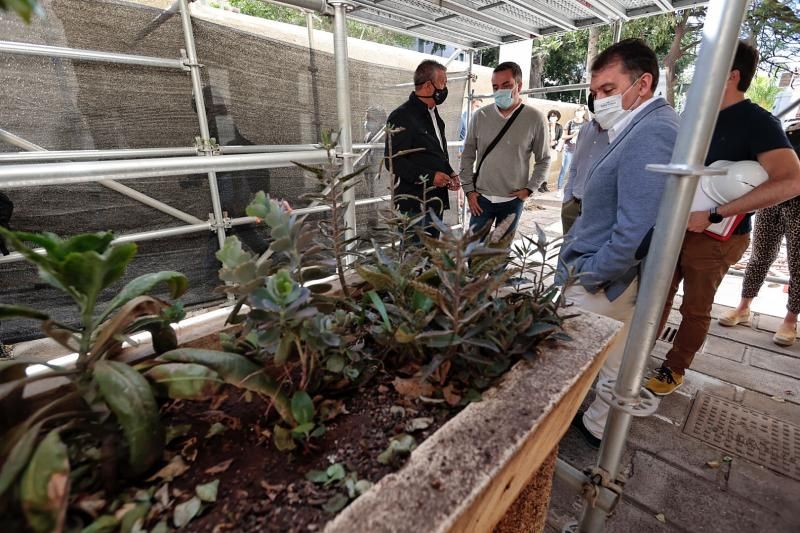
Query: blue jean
(494, 214)
(566, 161)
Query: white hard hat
(741, 178)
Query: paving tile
(695, 504)
(767, 404)
(773, 491)
(722, 347)
(668, 442)
(753, 337)
(766, 322)
(774, 362)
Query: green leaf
(335, 472)
(317, 476)
(186, 511)
(185, 381)
(399, 445)
(44, 490)
(236, 370)
(232, 254)
(336, 503)
(303, 429)
(17, 460)
(137, 514)
(335, 363)
(175, 281)
(283, 439)
(362, 486)
(129, 396)
(302, 407)
(378, 304)
(104, 524)
(208, 491)
(216, 428)
(20, 311)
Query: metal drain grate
(668, 335)
(761, 438)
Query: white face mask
(553, 120)
(609, 111)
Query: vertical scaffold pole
(340, 8)
(199, 101)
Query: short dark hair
(745, 61)
(426, 71)
(636, 57)
(555, 112)
(513, 67)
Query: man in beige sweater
(495, 170)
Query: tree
(763, 91)
(773, 27)
(24, 8)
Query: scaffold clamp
(644, 405)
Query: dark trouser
(772, 224)
(427, 223)
(702, 265)
(496, 213)
(570, 210)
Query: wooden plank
(498, 497)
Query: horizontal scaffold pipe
(83, 155)
(34, 175)
(28, 49)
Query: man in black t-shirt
(744, 132)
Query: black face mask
(590, 102)
(439, 95)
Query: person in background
(475, 104)
(555, 131)
(501, 139)
(772, 225)
(422, 136)
(570, 140)
(744, 132)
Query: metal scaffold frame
(601, 485)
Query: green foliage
(26, 9)
(103, 399)
(763, 91)
(256, 8)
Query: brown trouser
(702, 265)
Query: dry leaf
(217, 401)
(778, 399)
(451, 396)
(220, 468)
(272, 490)
(162, 495)
(177, 467)
(412, 387)
(91, 504)
(661, 518)
(122, 511)
(713, 464)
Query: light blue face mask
(503, 98)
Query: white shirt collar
(509, 115)
(620, 126)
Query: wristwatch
(714, 217)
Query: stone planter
(468, 475)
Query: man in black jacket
(422, 128)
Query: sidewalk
(722, 453)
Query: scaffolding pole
(29, 49)
(720, 37)
(462, 213)
(199, 100)
(340, 8)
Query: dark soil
(264, 489)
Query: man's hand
(698, 221)
(522, 194)
(474, 208)
(440, 179)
